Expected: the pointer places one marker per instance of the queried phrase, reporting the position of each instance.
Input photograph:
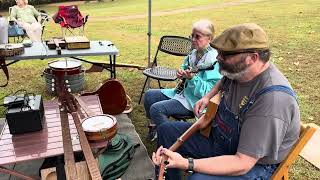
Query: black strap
(5, 70)
(226, 82)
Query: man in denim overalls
(257, 122)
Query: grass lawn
(292, 26)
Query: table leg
(112, 59)
(15, 173)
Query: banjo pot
(100, 128)
(7, 50)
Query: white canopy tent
(149, 33)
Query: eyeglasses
(225, 54)
(196, 36)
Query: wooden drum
(65, 67)
(100, 128)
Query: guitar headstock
(62, 88)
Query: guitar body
(112, 97)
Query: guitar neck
(206, 119)
(70, 165)
(180, 85)
(69, 103)
(91, 162)
(186, 135)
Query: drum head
(65, 64)
(98, 123)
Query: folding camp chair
(70, 20)
(173, 45)
(19, 34)
(282, 172)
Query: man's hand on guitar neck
(175, 160)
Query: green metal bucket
(75, 82)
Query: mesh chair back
(175, 45)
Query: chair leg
(142, 91)
(62, 32)
(159, 85)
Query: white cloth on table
(3, 30)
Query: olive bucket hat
(242, 38)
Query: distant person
(3, 30)
(159, 104)
(28, 18)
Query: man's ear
(254, 57)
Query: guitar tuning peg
(67, 81)
(52, 80)
(69, 90)
(52, 89)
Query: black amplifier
(25, 115)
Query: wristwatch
(190, 165)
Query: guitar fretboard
(91, 162)
(71, 171)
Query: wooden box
(77, 42)
(51, 43)
(82, 171)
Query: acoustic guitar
(112, 97)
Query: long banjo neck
(70, 103)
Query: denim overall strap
(225, 85)
(265, 90)
(225, 131)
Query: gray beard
(233, 76)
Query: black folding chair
(173, 45)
